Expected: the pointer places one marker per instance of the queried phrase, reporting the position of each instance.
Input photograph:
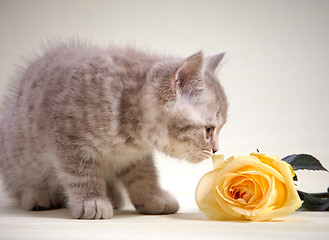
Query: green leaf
(295, 178)
(304, 161)
(315, 202)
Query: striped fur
(83, 122)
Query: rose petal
(251, 190)
(218, 161)
(267, 159)
(237, 182)
(227, 208)
(263, 158)
(206, 201)
(227, 184)
(293, 200)
(234, 206)
(250, 162)
(265, 180)
(260, 189)
(260, 207)
(245, 163)
(279, 197)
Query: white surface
(189, 223)
(276, 79)
(276, 76)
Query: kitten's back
(74, 87)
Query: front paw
(92, 209)
(163, 203)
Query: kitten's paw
(35, 200)
(117, 195)
(163, 203)
(92, 209)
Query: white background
(276, 76)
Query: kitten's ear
(189, 75)
(212, 62)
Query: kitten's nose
(214, 150)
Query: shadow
(189, 216)
(10, 207)
(16, 210)
(126, 213)
(201, 217)
(63, 213)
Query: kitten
(83, 122)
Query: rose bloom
(257, 187)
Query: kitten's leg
(115, 192)
(37, 199)
(141, 181)
(85, 186)
(34, 199)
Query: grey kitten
(84, 121)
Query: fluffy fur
(84, 121)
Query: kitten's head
(192, 106)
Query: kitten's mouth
(206, 153)
(199, 156)
(190, 153)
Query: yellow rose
(257, 187)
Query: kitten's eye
(209, 132)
